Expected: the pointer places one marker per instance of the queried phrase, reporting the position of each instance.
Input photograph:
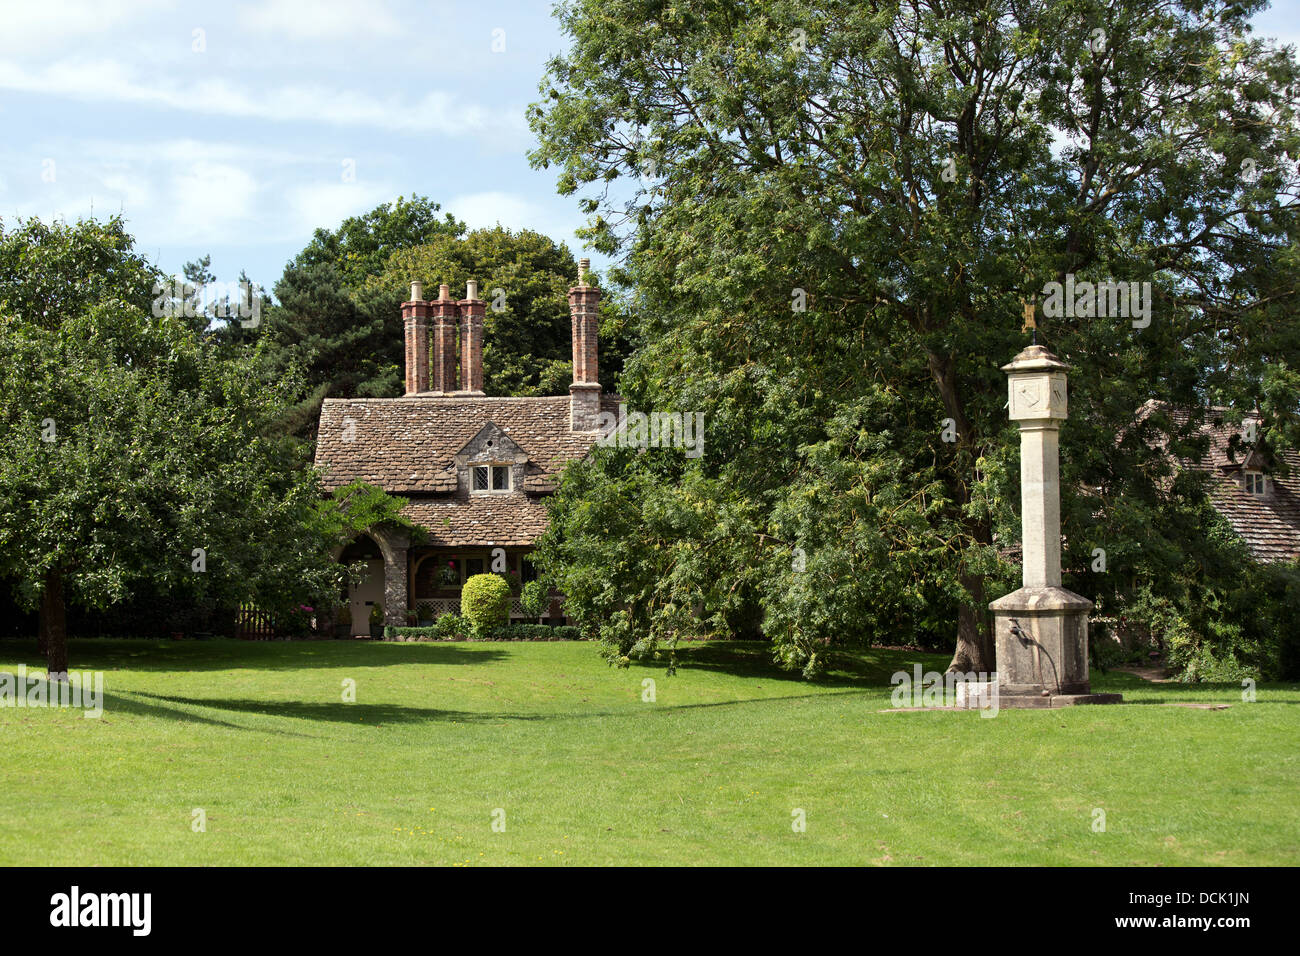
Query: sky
(236, 129)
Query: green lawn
(441, 735)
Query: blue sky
(238, 140)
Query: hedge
(459, 630)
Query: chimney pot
(584, 393)
(471, 340)
(445, 379)
(415, 318)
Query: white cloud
(110, 81)
(325, 205)
(132, 191)
(49, 24)
(484, 210)
(208, 198)
(313, 20)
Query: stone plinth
(1041, 638)
(1041, 631)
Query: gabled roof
(1269, 524)
(491, 435)
(407, 445)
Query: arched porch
(384, 583)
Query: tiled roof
(1270, 523)
(405, 445)
(507, 520)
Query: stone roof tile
(406, 446)
(1269, 523)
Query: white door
(366, 594)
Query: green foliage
(342, 344)
(813, 172)
(523, 631)
(1104, 651)
(353, 508)
(1213, 614)
(133, 452)
(535, 596)
(361, 245)
(485, 602)
(50, 273)
(452, 627)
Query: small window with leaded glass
(1254, 483)
(490, 479)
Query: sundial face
(1038, 396)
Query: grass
(441, 735)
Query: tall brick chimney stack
(584, 393)
(415, 317)
(472, 309)
(444, 380)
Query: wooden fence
(252, 624)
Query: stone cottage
(475, 469)
(1247, 485)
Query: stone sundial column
(1038, 403)
(1041, 630)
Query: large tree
(832, 212)
(361, 245)
(132, 451)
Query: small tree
(534, 597)
(485, 602)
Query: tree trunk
(54, 623)
(974, 638)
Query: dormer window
(491, 479)
(1254, 483)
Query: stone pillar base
(1041, 640)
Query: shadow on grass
(114, 705)
(379, 714)
(860, 669)
(373, 714)
(220, 654)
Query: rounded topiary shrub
(485, 602)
